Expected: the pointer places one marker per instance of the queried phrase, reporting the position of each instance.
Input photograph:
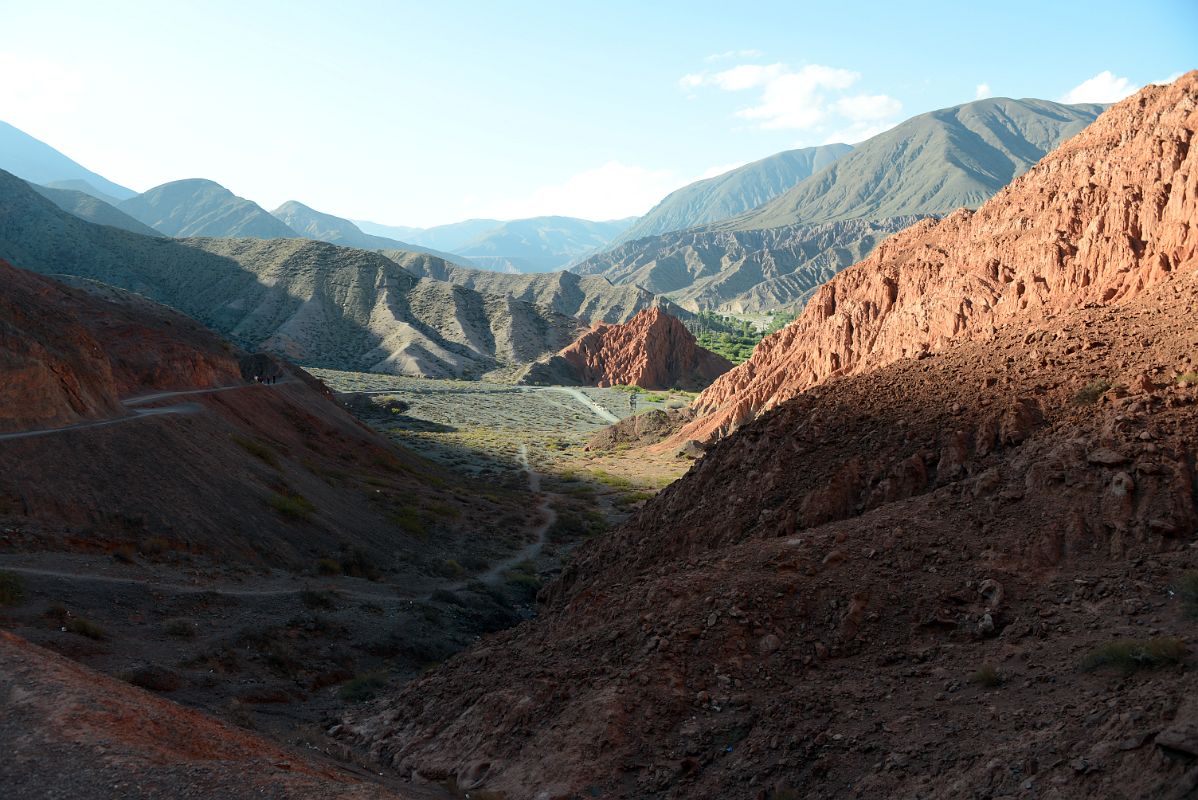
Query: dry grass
(1130, 655)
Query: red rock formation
(652, 350)
(1107, 215)
(67, 355)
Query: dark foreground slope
(68, 731)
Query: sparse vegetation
(1190, 377)
(125, 554)
(1130, 655)
(328, 566)
(1187, 590)
(153, 547)
(409, 520)
(258, 450)
(988, 677)
(452, 569)
(608, 479)
(363, 687)
(292, 505)
(1093, 390)
(83, 627)
(313, 598)
(179, 628)
(12, 589)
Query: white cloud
(1104, 87)
(812, 98)
(611, 191)
(863, 107)
(982, 92)
(734, 54)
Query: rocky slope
(742, 271)
(734, 192)
(653, 350)
(934, 163)
(1107, 215)
(38, 162)
(199, 207)
(329, 306)
(68, 731)
(590, 298)
(87, 207)
(901, 584)
(72, 355)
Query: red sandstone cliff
(652, 350)
(1107, 215)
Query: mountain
(313, 224)
(823, 603)
(591, 299)
(732, 193)
(1097, 221)
(199, 207)
(318, 303)
(742, 271)
(934, 163)
(441, 237)
(89, 207)
(773, 256)
(652, 350)
(539, 244)
(86, 188)
(38, 162)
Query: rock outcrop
(1104, 217)
(653, 350)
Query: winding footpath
(142, 413)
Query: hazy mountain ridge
(200, 207)
(313, 224)
(38, 162)
(89, 207)
(733, 192)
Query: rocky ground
(969, 574)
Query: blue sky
(426, 113)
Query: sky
(420, 114)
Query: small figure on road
(632, 403)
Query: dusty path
(141, 413)
(598, 410)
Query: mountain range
(774, 255)
(38, 162)
(317, 303)
(733, 192)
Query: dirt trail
(140, 413)
(581, 397)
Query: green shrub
(988, 676)
(179, 628)
(452, 569)
(1129, 655)
(1187, 590)
(1190, 377)
(12, 589)
(292, 505)
(1092, 391)
(258, 450)
(328, 566)
(82, 627)
(125, 554)
(363, 687)
(317, 599)
(410, 521)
